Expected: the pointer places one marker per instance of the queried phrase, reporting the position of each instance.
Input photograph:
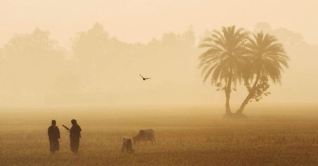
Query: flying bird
(143, 77)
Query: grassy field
(276, 135)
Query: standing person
(75, 135)
(54, 135)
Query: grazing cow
(127, 146)
(145, 135)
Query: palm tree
(267, 59)
(224, 60)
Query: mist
(204, 82)
(78, 53)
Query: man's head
(73, 121)
(53, 122)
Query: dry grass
(185, 137)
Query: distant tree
(223, 61)
(32, 61)
(267, 58)
(101, 58)
(189, 36)
(90, 47)
(287, 37)
(262, 27)
(171, 40)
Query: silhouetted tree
(262, 27)
(189, 36)
(32, 62)
(223, 61)
(91, 49)
(171, 40)
(267, 58)
(101, 62)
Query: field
(273, 135)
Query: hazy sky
(142, 20)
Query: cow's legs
(153, 139)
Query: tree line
(35, 69)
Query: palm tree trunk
(227, 95)
(240, 110)
(249, 96)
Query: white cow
(127, 146)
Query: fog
(90, 53)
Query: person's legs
(74, 144)
(52, 147)
(57, 145)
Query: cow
(127, 146)
(144, 135)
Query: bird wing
(141, 76)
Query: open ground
(272, 135)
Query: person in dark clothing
(75, 135)
(54, 135)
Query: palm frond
(269, 56)
(224, 58)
